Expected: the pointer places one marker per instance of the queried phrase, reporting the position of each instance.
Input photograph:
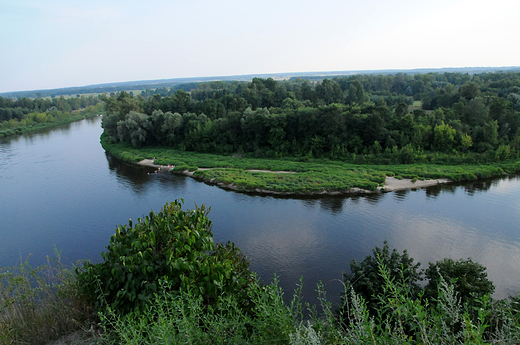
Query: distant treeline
(22, 112)
(82, 91)
(188, 83)
(335, 118)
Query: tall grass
(183, 318)
(38, 305)
(401, 319)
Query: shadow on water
(139, 177)
(400, 195)
(470, 188)
(335, 204)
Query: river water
(60, 190)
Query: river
(61, 190)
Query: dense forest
(404, 116)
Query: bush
(172, 245)
(404, 319)
(185, 319)
(469, 279)
(365, 278)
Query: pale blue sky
(60, 43)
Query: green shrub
(184, 318)
(173, 245)
(367, 282)
(469, 279)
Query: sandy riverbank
(391, 183)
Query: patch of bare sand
(393, 183)
(272, 171)
(148, 163)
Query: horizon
(61, 44)
(253, 75)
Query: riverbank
(39, 126)
(308, 176)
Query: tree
(443, 137)
(169, 127)
(466, 142)
(367, 282)
(329, 91)
(356, 93)
(469, 90)
(121, 104)
(476, 112)
(469, 279)
(132, 130)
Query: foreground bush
(184, 318)
(172, 245)
(400, 319)
(404, 319)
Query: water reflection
(332, 204)
(400, 195)
(139, 178)
(478, 187)
(434, 191)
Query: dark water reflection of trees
(138, 177)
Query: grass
(38, 305)
(415, 105)
(184, 319)
(310, 175)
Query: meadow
(308, 175)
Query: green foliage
(444, 137)
(367, 282)
(174, 245)
(402, 318)
(184, 318)
(334, 119)
(309, 174)
(29, 124)
(468, 278)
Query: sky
(49, 44)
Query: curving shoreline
(391, 183)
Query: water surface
(60, 189)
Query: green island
(292, 176)
(339, 135)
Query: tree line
(21, 112)
(336, 118)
